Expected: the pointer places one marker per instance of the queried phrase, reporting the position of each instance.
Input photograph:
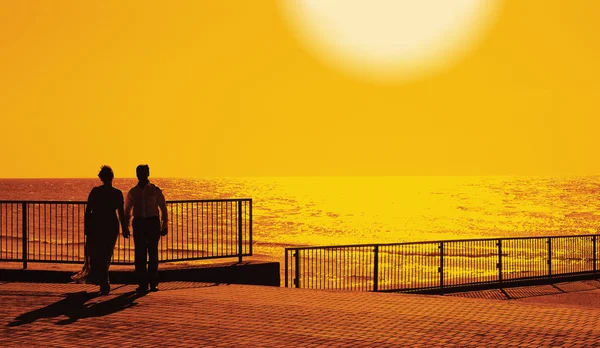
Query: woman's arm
(124, 221)
(89, 208)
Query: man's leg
(153, 238)
(139, 241)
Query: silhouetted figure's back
(102, 227)
(150, 221)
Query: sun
(390, 39)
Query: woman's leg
(102, 265)
(109, 249)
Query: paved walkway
(219, 315)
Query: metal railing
(52, 231)
(441, 266)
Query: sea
(309, 211)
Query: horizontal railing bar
(126, 262)
(73, 262)
(205, 258)
(80, 262)
(168, 201)
(210, 200)
(432, 242)
(43, 202)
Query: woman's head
(106, 174)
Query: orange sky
(225, 88)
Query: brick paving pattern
(185, 314)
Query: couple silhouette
(105, 211)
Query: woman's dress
(101, 226)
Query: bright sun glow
(390, 39)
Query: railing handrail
(208, 200)
(84, 202)
(333, 246)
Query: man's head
(106, 174)
(142, 172)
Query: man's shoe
(153, 289)
(141, 290)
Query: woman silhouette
(101, 226)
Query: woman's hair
(106, 174)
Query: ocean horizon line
(209, 177)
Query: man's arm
(162, 205)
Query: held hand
(164, 231)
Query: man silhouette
(147, 201)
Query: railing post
(376, 268)
(286, 267)
(441, 268)
(594, 241)
(24, 230)
(550, 257)
(499, 266)
(297, 269)
(240, 234)
(250, 226)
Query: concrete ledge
(251, 273)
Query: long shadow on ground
(74, 307)
(531, 291)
